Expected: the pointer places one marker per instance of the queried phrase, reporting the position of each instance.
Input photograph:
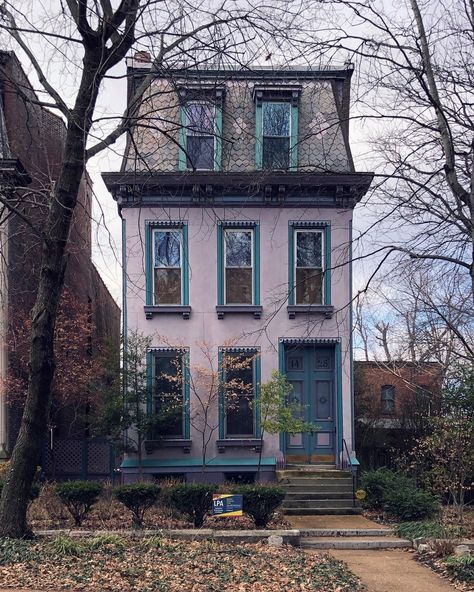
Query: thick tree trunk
(27, 452)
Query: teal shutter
(182, 160)
(294, 138)
(149, 264)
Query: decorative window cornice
(169, 350)
(239, 350)
(238, 223)
(310, 340)
(309, 223)
(166, 223)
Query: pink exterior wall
(244, 329)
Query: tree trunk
(27, 452)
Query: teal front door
(310, 370)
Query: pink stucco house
(236, 193)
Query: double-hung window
(276, 127)
(309, 267)
(168, 402)
(240, 371)
(387, 398)
(238, 257)
(238, 267)
(200, 138)
(276, 134)
(167, 265)
(200, 130)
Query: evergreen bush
(138, 498)
(78, 497)
(411, 504)
(193, 499)
(260, 501)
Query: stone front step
(317, 511)
(310, 468)
(345, 532)
(318, 503)
(316, 482)
(329, 488)
(318, 495)
(303, 474)
(355, 543)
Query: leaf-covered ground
(156, 564)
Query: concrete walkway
(391, 571)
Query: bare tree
(422, 317)
(414, 112)
(90, 39)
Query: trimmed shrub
(411, 504)
(462, 567)
(193, 499)
(138, 498)
(261, 501)
(78, 497)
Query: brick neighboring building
(31, 145)
(392, 402)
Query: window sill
(294, 309)
(254, 443)
(151, 310)
(224, 309)
(183, 443)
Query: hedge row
(194, 500)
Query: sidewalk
(334, 522)
(391, 571)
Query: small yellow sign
(361, 494)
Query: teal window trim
(259, 136)
(182, 159)
(151, 225)
(255, 351)
(218, 139)
(294, 138)
(339, 419)
(184, 352)
(325, 226)
(281, 369)
(182, 152)
(254, 226)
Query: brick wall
(36, 138)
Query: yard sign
(227, 504)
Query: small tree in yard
(445, 458)
(212, 384)
(277, 413)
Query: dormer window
(276, 121)
(276, 127)
(200, 135)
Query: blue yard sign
(227, 504)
